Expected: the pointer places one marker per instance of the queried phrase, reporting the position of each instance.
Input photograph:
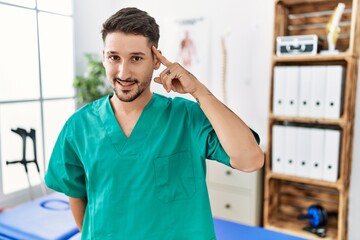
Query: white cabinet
(234, 195)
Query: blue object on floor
(226, 230)
(48, 217)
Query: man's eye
(114, 58)
(136, 58)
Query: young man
(133, 163)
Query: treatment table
(47, 217)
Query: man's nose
(124, 71)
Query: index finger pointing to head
(162, 59)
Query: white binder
(318, 91)
(278, 146)
(331, 155)
(317, 153)
(303, 154)
(333, 91)
(305, 91)
(279, 90)
(290, 150)
(291, 91)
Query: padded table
(226, 230)
(47, 217)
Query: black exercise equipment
(317, 216)
(24, 134)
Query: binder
(291, 91)
(303, 154)
(279, 90)
(318, 91)
(333, 91)
(331, 155)
(278, 146)
(290, 150)
(305, 91)
(317, 153)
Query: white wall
(250, 48)
(354, 198)
(88, 18)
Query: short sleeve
(65, 172)
(205, 137)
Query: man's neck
(126, 108)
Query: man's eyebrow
(132, 53)
(137, 53)
(111, 52)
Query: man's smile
(126, 83)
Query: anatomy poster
(187, 41)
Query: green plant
(92, 85)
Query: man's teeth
(126, 83)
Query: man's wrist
(200, 93)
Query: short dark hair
(134, 21)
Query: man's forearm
(234, 135)
(78, 206)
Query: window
(19, 69)
(36, 75)
(24, 3)
(56, 70)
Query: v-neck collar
(117, 135)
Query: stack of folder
(306, 152)
(308, 91)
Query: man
(133, 163)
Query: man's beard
(127, 95)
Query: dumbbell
(317, 216)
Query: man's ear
(157, 62)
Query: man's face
(129, 64)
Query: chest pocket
(174, 177)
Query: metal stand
(24, 134)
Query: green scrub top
(150, 185)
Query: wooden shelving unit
(316, 58)
(286, 196)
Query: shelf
(294, 198)
(295, 227)
(287, 196)
(297, 2)
(310, 181)
(340, 122)
(314, 58)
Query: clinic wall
(88, 18)
(354, 198)
(249, 61)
